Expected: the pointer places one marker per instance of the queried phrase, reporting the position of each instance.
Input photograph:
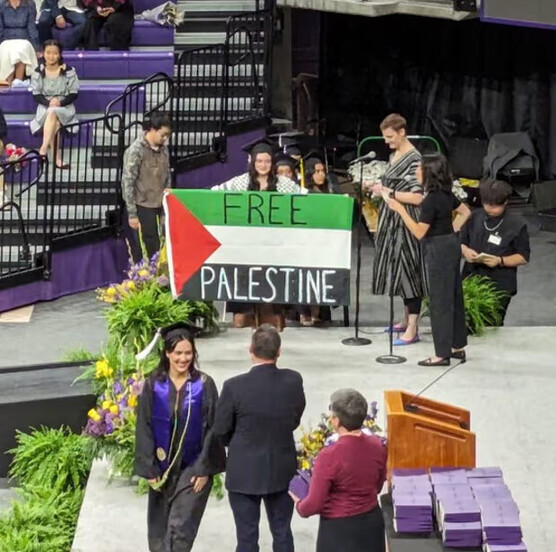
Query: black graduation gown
(175, 512)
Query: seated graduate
(261, 174)
(175, 449)
(286, 166)
(347, 479)
(502, 236)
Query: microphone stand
(358, 341)
(391, 358)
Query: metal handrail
(16, 206)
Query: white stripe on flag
(299, 247)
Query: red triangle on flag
(191, 243)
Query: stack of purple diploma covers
(299, 485)
(412, 501)
(457, 512)
(462, 534)
(505, 547)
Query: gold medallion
(161, 454)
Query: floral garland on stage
(312, 441)
(138, 306)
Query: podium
(423, 433)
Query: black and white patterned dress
(396, 247)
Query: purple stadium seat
(145, 33)
(20, 134)
(92, 98)
(139, 6)
(119, 65)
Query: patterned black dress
(396, 247)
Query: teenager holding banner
(442, 252)
(260, 177)
(175, 449)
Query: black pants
(149, 218)
(247, 513)
(174, 514)
(361, 533)
(118, 27)
(447, 312)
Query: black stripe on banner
(269, 284)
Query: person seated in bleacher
(286, 166)
(116, 16)
(60, 13)
(19, 41)
(55, 86)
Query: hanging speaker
(465, 5)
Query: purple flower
(137, 387)
(109, 427)
(118, 387)
(162, 281)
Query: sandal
(459, 355)
(430, 362)
(62, 166)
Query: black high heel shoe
(459, 355)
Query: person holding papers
(494, 242)
(346, 481)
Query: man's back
(257, 414)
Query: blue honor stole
(164, 425)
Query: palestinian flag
(259, 247)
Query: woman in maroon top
(346, 481)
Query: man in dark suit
(255, 418)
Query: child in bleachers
(116, 16)
(55, 86)
(19, 41)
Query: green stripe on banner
(222, 208)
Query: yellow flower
(130, 285)
(305, 465)
(94, 415)
(132, 401)
(114, 409)
(143, 272)
(110, 291)
(106, 405)
(102, 370)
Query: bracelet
(502, 262)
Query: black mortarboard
(282, 159)
(183, 330)
(260, 145)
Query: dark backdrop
(447, 78)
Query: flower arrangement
(314, 440)
(138, 306)
(166, 14)
(14, 153)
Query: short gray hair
(350, 407)
(266, 342)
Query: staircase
(200, 60)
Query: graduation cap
(282, 159)
(176, 331)
(260, 145)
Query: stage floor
(508, 384)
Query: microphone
(364, 159)
(409, 407)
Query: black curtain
(464, 79)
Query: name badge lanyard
(494, 236)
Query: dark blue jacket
(19, 23)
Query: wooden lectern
(423, 433)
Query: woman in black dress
(175, 449)
(442, 252)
